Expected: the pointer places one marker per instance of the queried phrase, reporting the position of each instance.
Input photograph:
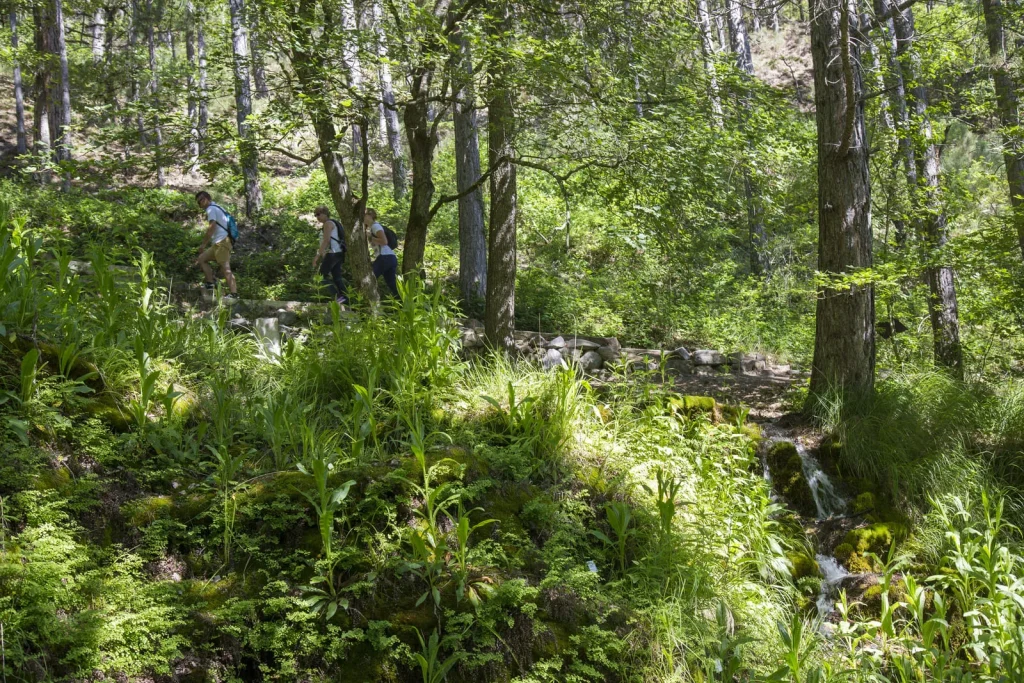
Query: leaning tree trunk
(740, 44)
(1007, 103)
(154, 90)
(387, 96)
(19, 95)
(844, 342)
(247, 152)
(500, 318)
(422, 141)
(472, 234)
(63, 137)
(942, 302)
(307, 56)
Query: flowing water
(829, 503)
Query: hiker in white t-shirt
(219, 244)
(332, 251)
(386, 263)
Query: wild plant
(619, 519)
(435, 498)
(429, 658)
(666, 500)
(464, 586)
(520, 417)
(322, 596)
(225, 473)
(429, 563)
(723, 661)
(798, 642)
(424, 339)
(280, 415)
(139, 406)
(25, 395)
(324, 499)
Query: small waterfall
(827, 500)
(832, 573)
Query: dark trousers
(386, 265)
(330, 269)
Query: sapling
(431, 666)
(619, 519)
(464, 588)
(326, 501)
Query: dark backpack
(341, 235)
(392, 238)
(231, 227)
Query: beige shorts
(220, 252)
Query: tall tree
(390, 112)
(739, 41)
(259, 63)
(193, 98)
(98, 25)
(248, 154)
(499, 321)
(19, 96)
(1007, 90)
(350, 58)
(708, 53)
(152, 19)
(472, 234)
(844, 341)
(930, 217)
(308, 55)
(204, 102)
(63, 136)
(42, 89)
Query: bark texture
(472, 234)
(499, 321)
(99, 21)
(248, 154)
(389, 112)
(708, 53)
(1008, 104)
(19, 95)
(844, 343)
(193, 97)
(307, 56)
(350, 55)
(154, 89)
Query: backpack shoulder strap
(340, 239)
(223, 212)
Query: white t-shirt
(382, 250)
(334, 244)
(216, 214)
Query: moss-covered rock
(107, 412)
(857, 563)
(787, 472)
(699, 404)
(143, 511)
(875, 538)
(843, 552)
(802, 565)
(864, 503)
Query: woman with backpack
(384, 242)
(332, 251)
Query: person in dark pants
(332, 251)
(386, 263)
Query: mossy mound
(787, 472)
(876, 538)
(803, 566)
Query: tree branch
(469, 190)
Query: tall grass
(926, 434)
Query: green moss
(699, 404)
(843, 552)
(147, 510)
(803, 565)
(109, 414)
(788, 478)
(875, 538)
(859, 564)
(863, 503)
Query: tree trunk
(931, 219)
(1007, 103)
(133, 37)
(895, 88)
(500, 319)
(19, 96)
(844, 342)
(739, 42)
(42, 141)
(203, 103)
(259, 65)
(422, 141)
(387, 96)
(154, 89)
(350, 58)
(720, 24)
(306, 58)
(637, 95)
(247, 152)
(193, 100)
(472, 235)
(708, 53)
(98, 25)
(63, 138)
